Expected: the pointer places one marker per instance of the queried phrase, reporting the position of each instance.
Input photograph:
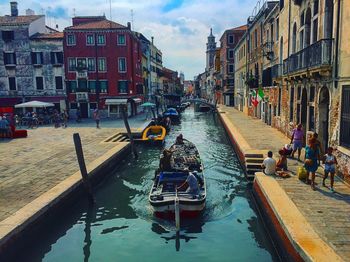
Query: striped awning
(121, 101)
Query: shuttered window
(345, 118)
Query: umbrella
(34, 104)
(148, 104)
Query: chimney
(152, 39)
(14, 9)
(129, 25)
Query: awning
(121, 101)
(137, 100)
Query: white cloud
(181, 33)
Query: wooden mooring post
(125, 118)
(82, 166)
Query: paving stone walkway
(328, 213)
(31, 166)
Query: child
(330, 162)
(282, 161)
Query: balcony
(276, 71)
(315, 55)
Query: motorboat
(172, 113)
(184, 159)
(154, 134)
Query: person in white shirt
(269, 164)
(192, 183)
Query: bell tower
(211, 48)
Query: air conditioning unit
(82, 97)
(82, 74)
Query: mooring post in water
(125, 118)
(82, 166)
(177, 212)
(153, 113)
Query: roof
(240, 28)
(104, 24)
(53, 36)
(21, 19)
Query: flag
(253, 98)
(260, 95)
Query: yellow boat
(154, 134)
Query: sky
(180, 27)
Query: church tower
(211, 48)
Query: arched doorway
(323, 116)
(303, 110)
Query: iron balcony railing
(276, 71)
(317, 54)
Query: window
(90, 40)
(56, 58)
(123, 87)
(230, 68)
(345, 118)
(12, 83)
(121, 40)
(72, 64)
(102, 64)
(279, 101)
(314, 32)
(72, 86)
(312, 94)
(299, 93)
(91, 64)
(81, 63)
(256, 38)
(277, 28)
(122, 64)
(8, 36)
(231, 54)
(59, 82)
(82, 85)
(281, 4)
(73, 105)
(9, 58)
(93, 105)
(231, 39)
(37, 58)
(39, 83)
(101, 40)
(302, 19)
(311, 118)
(272, 33)
(71, 39)
(92, 86)
(316, 7)
(103, 86)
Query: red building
(102, 66)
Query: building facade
(103, 67)
(299, 56)
(31, 61)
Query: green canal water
(121, 227)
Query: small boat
(204, 108)
(185, 158)
(172, 113)
(154, 133)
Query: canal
(121, 227)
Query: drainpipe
(336, 69)
(289, 15)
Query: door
(84, 110)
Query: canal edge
(12, 227)
(294, 236)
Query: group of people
(5, 128)
(314, 155)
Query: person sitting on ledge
(269, 164)
(282, 161)
(192, 183)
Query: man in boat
(164, 163)
(179, 140)
(191, 183)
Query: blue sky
(180, 27)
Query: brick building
(103, 66)
(31, 60)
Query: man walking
(97, 117)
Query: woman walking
(312, 155)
